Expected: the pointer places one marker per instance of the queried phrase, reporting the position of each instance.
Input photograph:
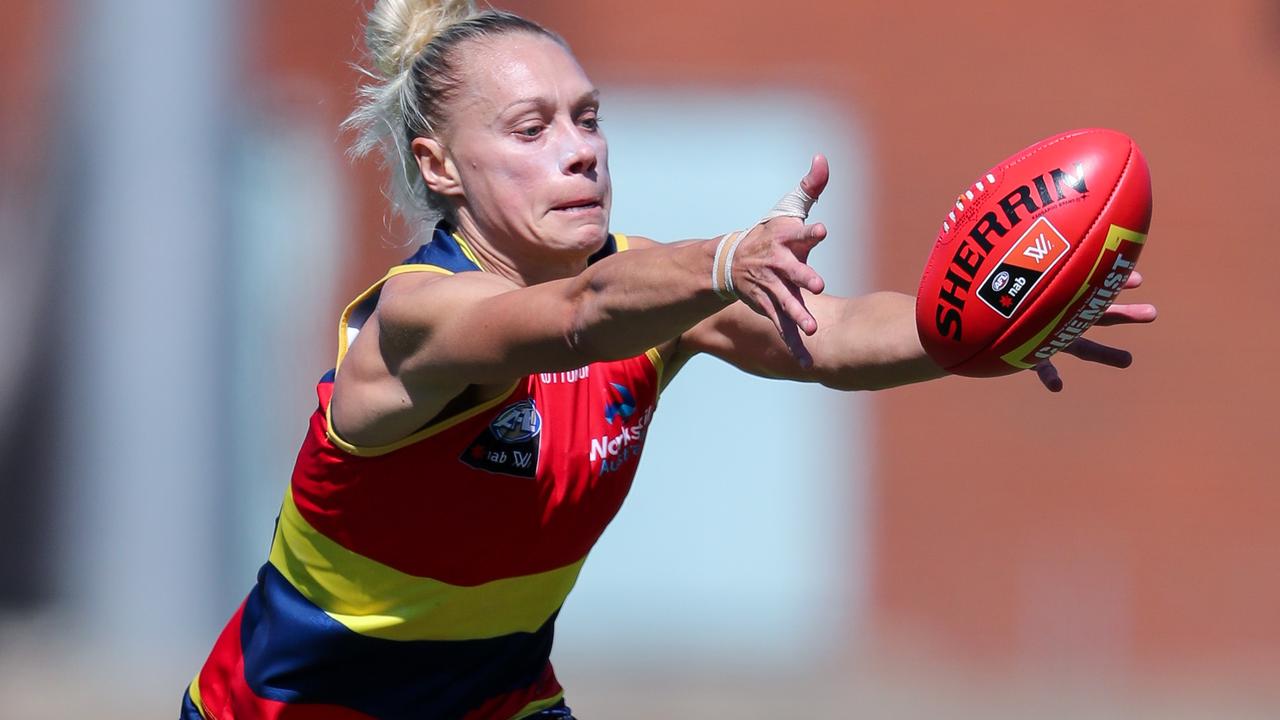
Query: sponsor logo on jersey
(622, 404)
(510, 444)
(1020, 270)
(568, 376)
(618, 447)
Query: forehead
(517, 66)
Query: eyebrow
(592, 96)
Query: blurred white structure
(144, 414)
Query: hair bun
(398, 29)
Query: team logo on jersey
(510, 444)
(517, 423)
(621, 404)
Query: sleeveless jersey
(422, 579)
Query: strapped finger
(799, 201)
(815, 181)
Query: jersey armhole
(349, 324)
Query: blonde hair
(414, 74)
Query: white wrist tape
(722, 289)
(728, 263)
(796, 204)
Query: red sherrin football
(1032, 254)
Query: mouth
(578, 205)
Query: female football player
(492, 394)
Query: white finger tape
(796, 203)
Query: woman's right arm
(433, 336)
(477, 328)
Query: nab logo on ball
(1022, 267)
(510, 444)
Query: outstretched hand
(1097, 352)
(771, 266)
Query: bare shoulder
(415, 300)
(381, 394)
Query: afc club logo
(517, 423)
(509, 445)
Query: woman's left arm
(862, 343)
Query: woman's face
(524, 141)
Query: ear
(437, 168)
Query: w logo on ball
(1038, 249)
(1020, 270)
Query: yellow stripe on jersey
(655, 357)
(343, 339)
(620, 241)
(194, 691)
(537, 706)
(379, 601)
(466, 250)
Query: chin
(587, 237)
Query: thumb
(815, 181)
(797, 203)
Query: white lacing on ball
(969, 195)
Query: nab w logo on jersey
(622, 404)
(510, 444)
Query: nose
(579, 154)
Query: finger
(804, 276)
(1128, 314)
(790, 301)
(1134, 281)
(815, 181)
(805, 240)
(1048, 375)
(1099, 353)
(791, 338)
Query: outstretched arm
(865, 343)
(434, 337)
(862, 343)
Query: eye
(590, 121)
(530, 131)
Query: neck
(522, 263)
